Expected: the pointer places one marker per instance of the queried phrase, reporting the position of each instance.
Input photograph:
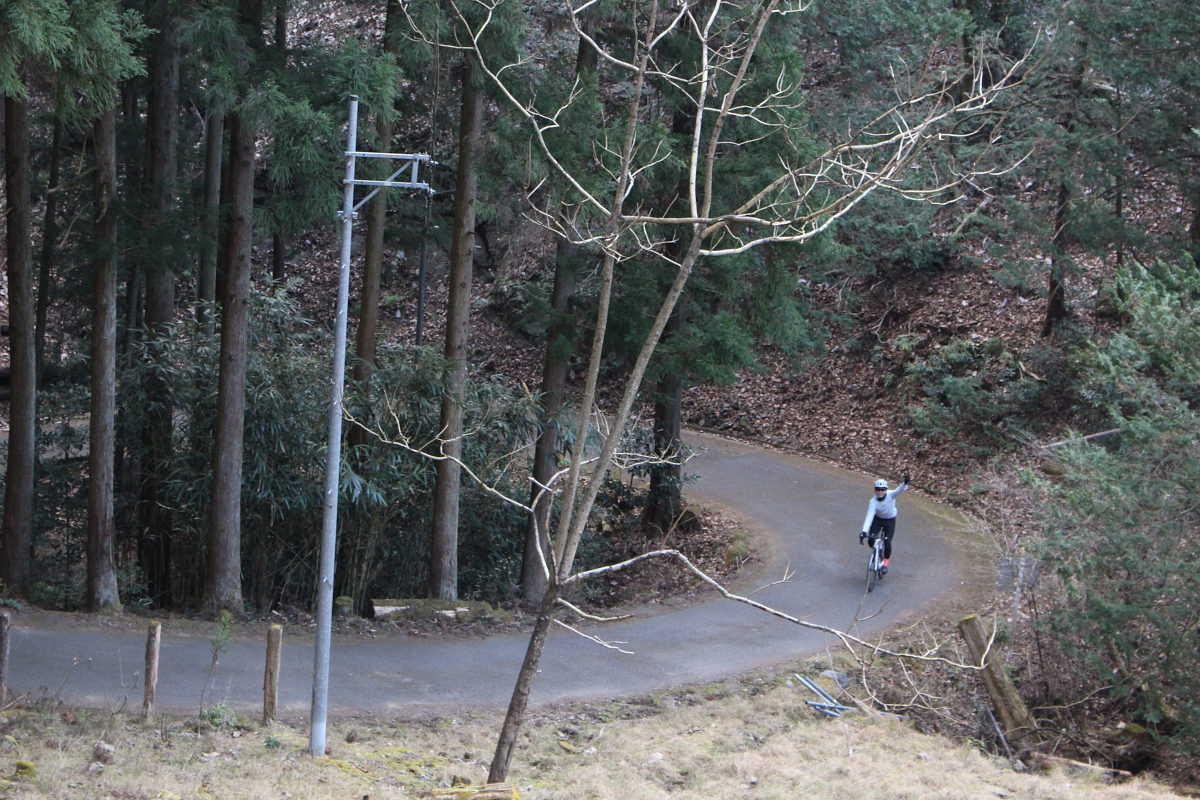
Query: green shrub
(221, 717)
(391, 486)
(60, 499)
(1122, 517)
(980, 399)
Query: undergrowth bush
(60, 499)
(386, 489)
(391, 486)
(981, 397)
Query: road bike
(875, 568)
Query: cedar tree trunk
(155, 528)
(223, 589)
(16, 536)
(102, 590)
(560, 344)
(443, 545)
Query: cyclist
(881, 518)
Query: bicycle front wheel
(872, 574)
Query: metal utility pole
(409, 165)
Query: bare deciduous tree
(707, 52)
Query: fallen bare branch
(850, 641)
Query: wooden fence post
(1014, 716)
(5, 631)
(271, 676)
(153, 638)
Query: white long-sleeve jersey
(885, 508)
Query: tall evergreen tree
(561, 339)
(443, 542)
(274, 92)
(17, 535)
(86, 46)
(102, 590)
(223, 584)
(711, 328)
(368, 320)
(161, 255)
(443, 547)
(223, 580)
(30, 33)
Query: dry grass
(754, 740)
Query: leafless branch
(851, 642)
(400, 440)
(789, 575)
(593, 617)
(596, 639)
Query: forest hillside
(956, 239)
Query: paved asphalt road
(807, 515)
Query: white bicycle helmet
(881, 484)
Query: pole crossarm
(412, 163)
(394, 156)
